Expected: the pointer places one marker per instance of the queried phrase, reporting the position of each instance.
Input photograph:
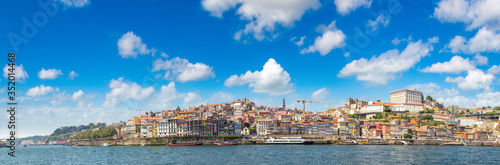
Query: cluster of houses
(356, 119)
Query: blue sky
(156, 55)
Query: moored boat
(377, 143)
(348, 143)
(209, 143)
(288, 140)
(227, 143)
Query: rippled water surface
(254, 154)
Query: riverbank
(164, 141)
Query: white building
(406, 96)
(412, 107)
(467, 121)
(372, 108)
(238, 112)
(397, 107)
(263, 127)
(162, 128)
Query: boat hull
(226, 144)
(185, 144)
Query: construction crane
(308, 101)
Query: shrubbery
(101, 133)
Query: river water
(254, 154)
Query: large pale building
(406, 96)
(405, 99)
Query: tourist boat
(226, 143)
(288, 140)
(105, 144)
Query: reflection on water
(255, 154)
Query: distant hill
(71, 129)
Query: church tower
(284, 103)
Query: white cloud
(344, 7)
(221, 97)
(193, 99)
(321, 94)
(182, 70)
(494, 70)
(77, 95)
(454, 80)
(300, 42)
(475, 79)
(263, 15)
(19, 72)
(457, 64)
(165, 97)
(474, 14)
(347, 54)
(330, 39)
(457, 45)
(488, 98)
(49, 74)
(461, 101)
(169, 95)
(434, 90)
(130, 45)
(164, 55)
(72, 75)
(218, 7)
(396, 41)
(381, 20)
(485, 40)
(379, 70)
(273, 80)
(123, 90)
(75, 3)
(40, 91)
(59, 98)
(480, 60)
(483, 99)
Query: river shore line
(164, 141)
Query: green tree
(387, 110)
(407, 136)
(429, 98)
(354, 116)
(497, 108)
(427, 117)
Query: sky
(82, 61)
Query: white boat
(105, 144)
(288, 140)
